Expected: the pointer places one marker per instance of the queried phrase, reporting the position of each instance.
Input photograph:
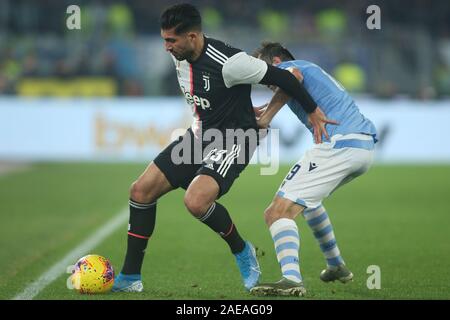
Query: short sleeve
(243, 69)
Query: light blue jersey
(332, 98)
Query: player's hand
(260, 110)
(262, 123)
(318, 120)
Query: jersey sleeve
(243, 69)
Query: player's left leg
(320, 224)
(220, 168)
(280, 218)
(200, 201)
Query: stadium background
(83, 111)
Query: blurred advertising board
(131, 129)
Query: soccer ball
(93, 274)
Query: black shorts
(185, 158)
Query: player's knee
(139, 194)
(196, 204)
(280, 209)
(271, 214)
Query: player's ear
(192, 35)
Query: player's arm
(279, 99)
(244, 69)
(316, 118)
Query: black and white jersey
(217, 86)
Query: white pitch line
(84, 248)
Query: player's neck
(198, 48)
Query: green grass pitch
(396, 217)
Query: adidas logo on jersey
(197, 101)
(209, 166)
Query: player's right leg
(144, 192)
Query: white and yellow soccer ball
(93, 274)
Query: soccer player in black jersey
(216, 80)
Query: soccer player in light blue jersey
(344, 152)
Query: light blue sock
(320, 224)
(287, 243)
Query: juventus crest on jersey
(217, 88)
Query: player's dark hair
(183, 17)
(268, 50)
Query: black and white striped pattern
(141, 206)
(228, 161)
(184, 75)
(216, 55)
(208, 213)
